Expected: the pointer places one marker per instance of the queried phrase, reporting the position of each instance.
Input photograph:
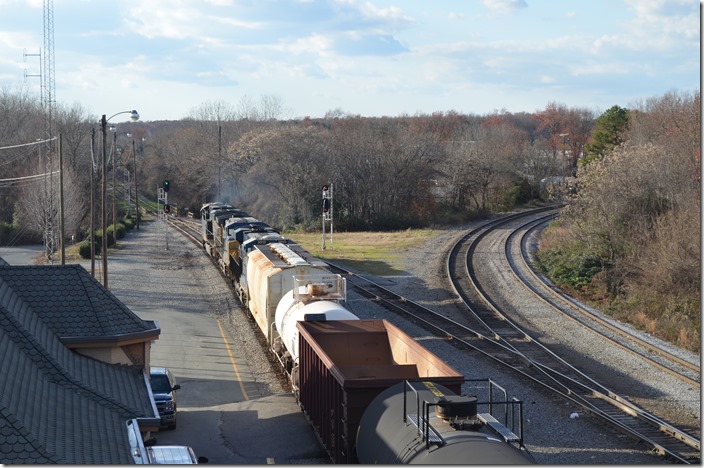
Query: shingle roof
(57, 406)
(71, 302)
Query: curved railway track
(547, 368)
(613, 331)
(491, 333)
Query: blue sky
(364, 57)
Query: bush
(518, 194)
(84, 248)
(570, 265)
(128, 222)
(120, 233)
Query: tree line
(387, 172)
(628, 236)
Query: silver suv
(164, 388)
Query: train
(371, 392)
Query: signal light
(166, 186)
(326, 205)
(167, 208)
(325, 188)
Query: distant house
(74, 368)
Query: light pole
(104, 247)
(113, 129)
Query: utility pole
(92, 202)
(61, 202)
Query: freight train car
(338, 364)
(269, 271)
(344, 365)
(423, 422)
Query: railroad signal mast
(327, 210)
(163, 197)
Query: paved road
(221, 412)
(24, 255)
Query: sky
(166, 59)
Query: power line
(36, 176)
(38, 142)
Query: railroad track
(495, 336)
(610, 330)
(548, 369)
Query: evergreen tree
(608, 133)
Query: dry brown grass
(378, 253)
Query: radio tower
(47, 90)
(48, 102)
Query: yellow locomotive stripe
(232, 359)
(433, 389)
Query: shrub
(84, 248)
(570, 265)
(128, 222)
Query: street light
(104, 249)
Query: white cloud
(505, 6)
(316, 44)
(391, 14)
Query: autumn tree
(565, 131)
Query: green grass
(377, 253)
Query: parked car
(164, 388)
(146, 452)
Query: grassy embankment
(377, 253)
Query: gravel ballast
(553, 433)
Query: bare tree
(33, 209)
(281, 167)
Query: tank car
(268, 274)
(423, 422)
(312, 298)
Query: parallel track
(612, 331)
(502, 340)
(553, 372)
